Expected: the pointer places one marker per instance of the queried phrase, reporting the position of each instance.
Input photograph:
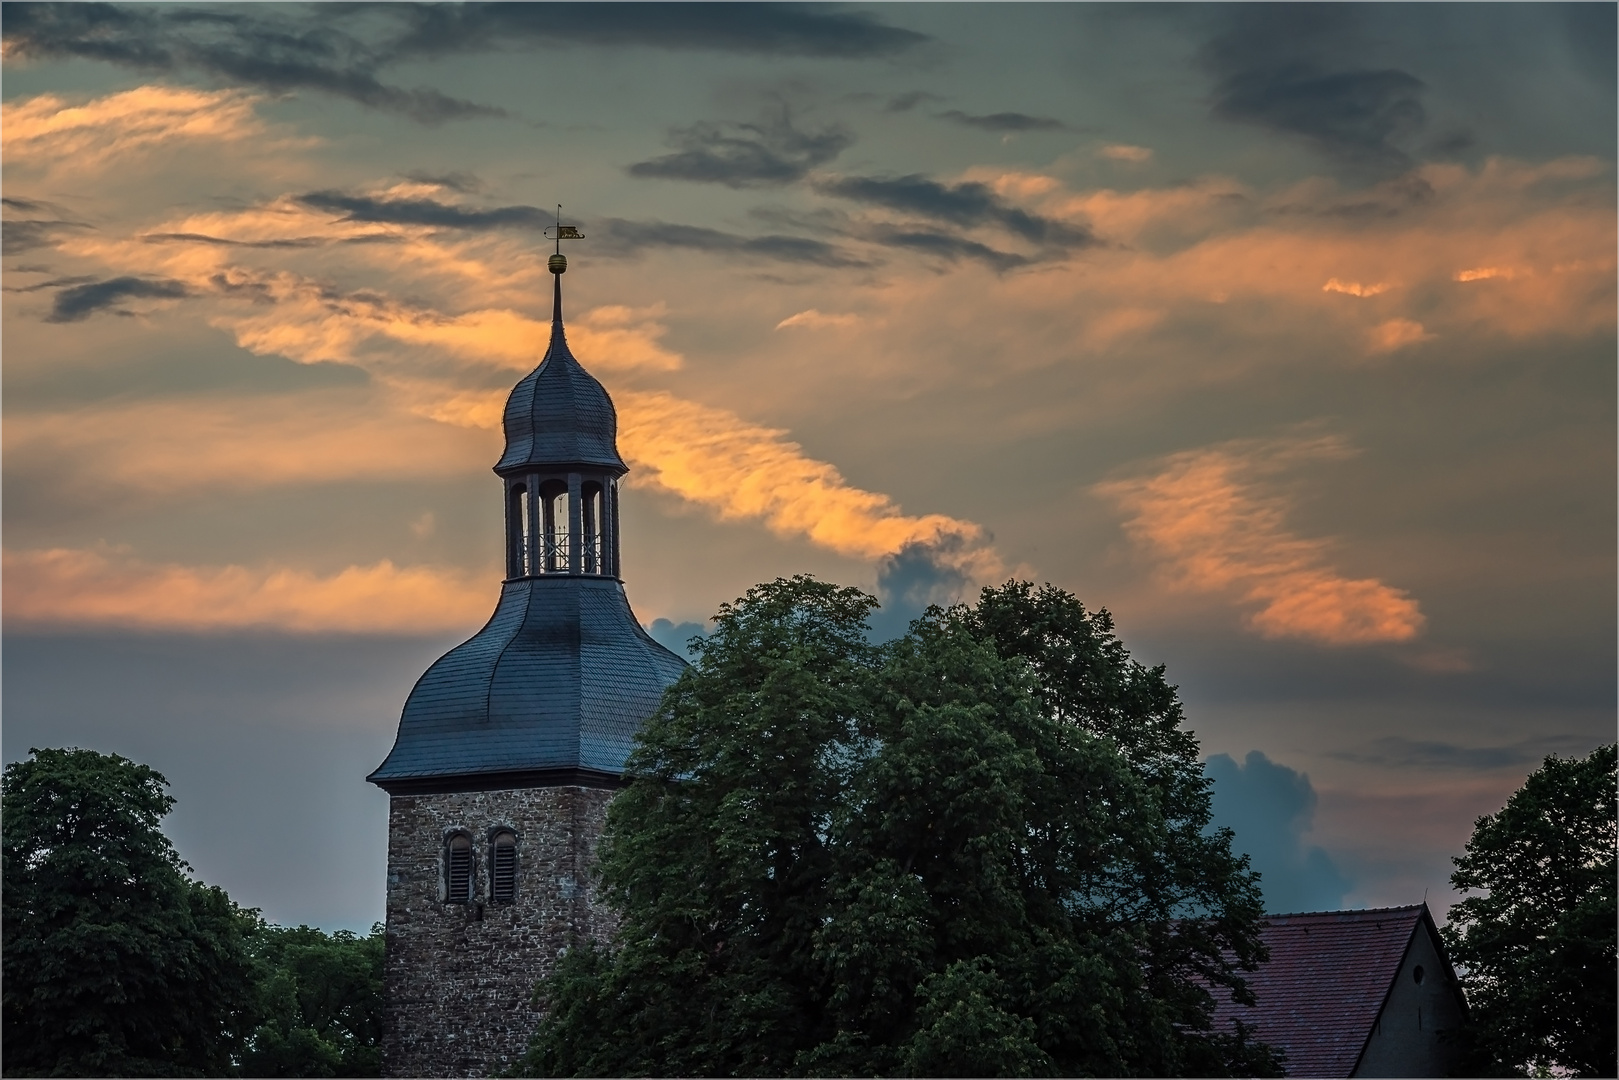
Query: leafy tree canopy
(1537, 947)
(115, 962)
(320, 1004)
(981, 849)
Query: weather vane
(559, 232)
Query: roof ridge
(1346, 911)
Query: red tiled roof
(1319, 994)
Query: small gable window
(1417, 974)
(458, 869)
(503, 867)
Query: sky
(1284, 333)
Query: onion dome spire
(559, 414)
(555, 686)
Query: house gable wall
(1410, 1035)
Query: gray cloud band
(79, 302)
(1280, 68)
(338, 49)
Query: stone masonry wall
(459, 977)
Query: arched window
(458, 869)
(591, 528)
(520, 529)
(553, 527)
(503, 867)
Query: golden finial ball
(558, 263)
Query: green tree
(1537, 948)
(1085, 678)
(115, 962)
(320, 1003)
(932, 857)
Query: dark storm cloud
(1004, 121)
(241, 45)
(81, 301)
(25, 234)
(27, 206)
(947, 246)
(424, 212)
(759, 29)
(1270, 807)
(1273, 68)
(631, 237)
(219, 241)
(674, 637)
(338, 49)
(19, 236)
(912, 579)
(766, 154)
(967, 204)
(1353, 114)
(464, 182)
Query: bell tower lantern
(561, 466)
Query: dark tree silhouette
(1537, 947)
(940, 856)
(116, 963)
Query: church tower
(512, 744)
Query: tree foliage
(979, 850)
(320, 1004)
(1537, 947)
(115, 962)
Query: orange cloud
(815, 320)
(285, 239)
(49, 134)
(1125, 216)
(1169, 252)
(1484, 273)
(277, 310)
(711, 457)
(1012, 184)
(108, 587)
(1355, 288)
(741, 470)
(1396, 334)
(208, 443)
(1206, 517)
(1547, 245)
(310, 325)
(1121, 152)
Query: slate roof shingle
(559, 414)
(562, 677)
(1324, 985)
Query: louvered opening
(458, 871)
(503, 869)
